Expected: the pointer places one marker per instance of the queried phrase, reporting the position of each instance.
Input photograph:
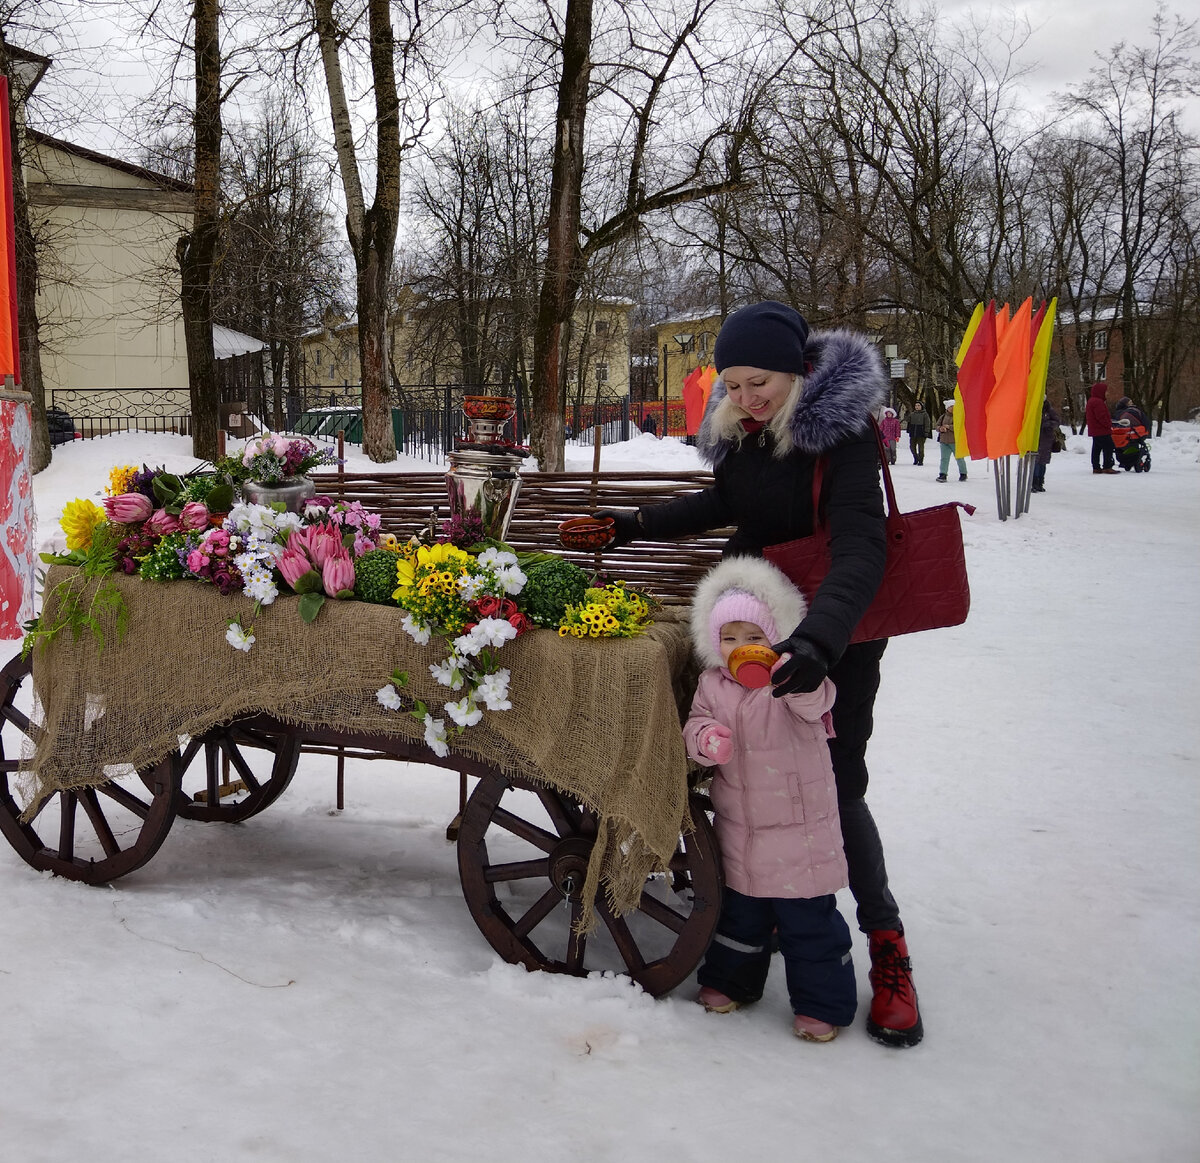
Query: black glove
(803, 671)
(626, 527)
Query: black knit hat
(769, 335)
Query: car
(62, 427)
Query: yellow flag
(960, 425)
(1039, 367)
(969, 334)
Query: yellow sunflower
(442, 553)
(79, 520)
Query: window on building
(1100, 341)
(601, 373)
(601, 326)
(1101, 371)
(409, 361)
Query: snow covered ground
(309, 986)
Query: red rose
(520, 622)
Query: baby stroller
(1133, 449)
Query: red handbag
(924, 581)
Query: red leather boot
(894, 1019)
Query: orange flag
(1006, 405)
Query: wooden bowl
(488, 407)
(586, 532)
(751, 665)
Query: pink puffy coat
(776, 803)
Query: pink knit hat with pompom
(739, 606)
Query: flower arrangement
(271, 458)
(609, 612)
(463, 597)
(163, 527)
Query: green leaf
(344, 594)
(348, 541)
(167, 486)
(220, 499)
(310, 605)
(309, 583)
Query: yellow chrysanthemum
(120, 479)
(79, 520)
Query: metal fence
(426, 419)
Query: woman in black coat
(785, 399)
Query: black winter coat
(768, 499)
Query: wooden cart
(524, 846)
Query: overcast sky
(1065, 38)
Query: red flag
(976, 379)
(10, 362)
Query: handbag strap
(889, 490)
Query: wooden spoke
(126, 799)
(518, 870)
(91, 806)
(545, 905)
(528, 908)
(536, 836)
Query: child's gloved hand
(717, 743)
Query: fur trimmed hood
(754, 576)
(848, 384)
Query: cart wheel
(91, 834)
(227, 775)
(523, 856)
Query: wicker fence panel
(669, 570)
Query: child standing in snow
(775, 803)
(889, 429)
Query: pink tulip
(128, 508)
(293, 564)
(194, 515)
(160, 523)
(337, 573)
(324, 541)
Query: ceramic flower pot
(751, 665)
(586, 532)
(292, 491)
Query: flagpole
(996, 473)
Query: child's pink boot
(715, 1002)
(813, 1030)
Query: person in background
(775, 807)
(1127, 409)
(1099, 428)
(918, 432)
(945, 435)
(889, 429)
(783, 402)
(1045, 448)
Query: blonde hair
(727, 417)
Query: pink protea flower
(194, 515)
(128, 508)
(337, 573)
(294, 564)
(160, 523)
(324, 541)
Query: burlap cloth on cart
(597, 719)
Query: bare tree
(372, 229)
(196, 249)
(1128, 114)
(648, 58)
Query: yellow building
(109, 297)
(685, 342)
(421, 356)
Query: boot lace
(890, 971)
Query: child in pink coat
(775, 805)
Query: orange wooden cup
(751, 665)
